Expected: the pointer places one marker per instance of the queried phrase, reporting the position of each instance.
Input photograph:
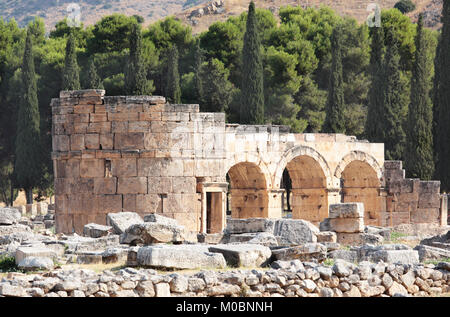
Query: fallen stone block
(263, 238)
(235, 226)
(431, 253)
(36, 263)
(121, 221)
(114, 255)
(243, 255)
(347, 225)
(395, 256)
(152, 232)
(179, 257)
(347, 255)
(346, 210)
(160, 219)
(326, 236)
(295, 265)
(212, 238)
(40, 252)
(308, 252)
(358, 238)
(294, 232)
(9, 290)
(9, 216)
(94, 230)
(89, 257)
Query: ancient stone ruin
(141, 154)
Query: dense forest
(311, 69)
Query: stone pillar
(444, 210)
(275, 203)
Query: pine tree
(27, 146)
(393, 134)
(442, 102)
(71, 75)
(173, 90)
(373, 127)
(94, 81)
(135, 75)
(252, 90)
(419, 139)
(334, 120)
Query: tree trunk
(29, 195)
(12, 194)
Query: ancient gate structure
(138, 153)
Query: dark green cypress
(335, 120)
(173, 90)
(419, 138)
(199, 57)
(442, 102)
(94, 81)
(252, 90)
(135, 75)
(71, 73)
(392, 132)
(373, 127)
(27, 168)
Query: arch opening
(360, 183)
(309, 198)
(248, 194)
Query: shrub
(405, 6)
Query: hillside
(53, 11)
(353, 8)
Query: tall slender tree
(71, 73)
(135, 74)
(28, 158)
(252, 89)
(94, 81)
(334, 120)
(373, 126)
(419, 138)
(442, 102)
(173, 90)
(393, 133)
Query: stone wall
(411, 200)
(291, 279)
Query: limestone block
(348, 225)
(122, 220)
(9, 216)
(295, 231)
(129, 201)
(109, 203)
(150, 203)
(127, 141)
(26, 252)
(92, 141)
(346, 210)
(61, 143)
(77, 142)
(119, 126)
(106, 141)
(98, 117)
(132, 185)
(425, 215)
(126, 167)
(153, 232)
(179, 257)
(92, 168)
(42, 208)
(304, 252)
(105, 185)
(246, 255)
(152, 166)
(184, 185)
(159, 185)
(235, 226)
(326, 236)
(150, 116)
(80, 127)
(85, 108)
(94, 230)
(123, 116)
(429, 200)
(156, 141)
(138, 126)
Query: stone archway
(249, 196)
(361, 182)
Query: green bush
(7, 264)
(405, 6)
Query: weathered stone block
(124, 167)
(105, 185)
(122, 220)
(92, 141)
(77, 142)
(245, 255)
(132, 185)
(347, 225)
(346, 210)
(25, 252)
(92, 168)
(128, 141)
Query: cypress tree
(198, 56)
(135, 74)
(252, 90)
(334, 120)
(419, 139)
(442, 101)
(373, 127)
(393, 134)
(28, 159)
(173, 90)
(94, 81)
(71, 75)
